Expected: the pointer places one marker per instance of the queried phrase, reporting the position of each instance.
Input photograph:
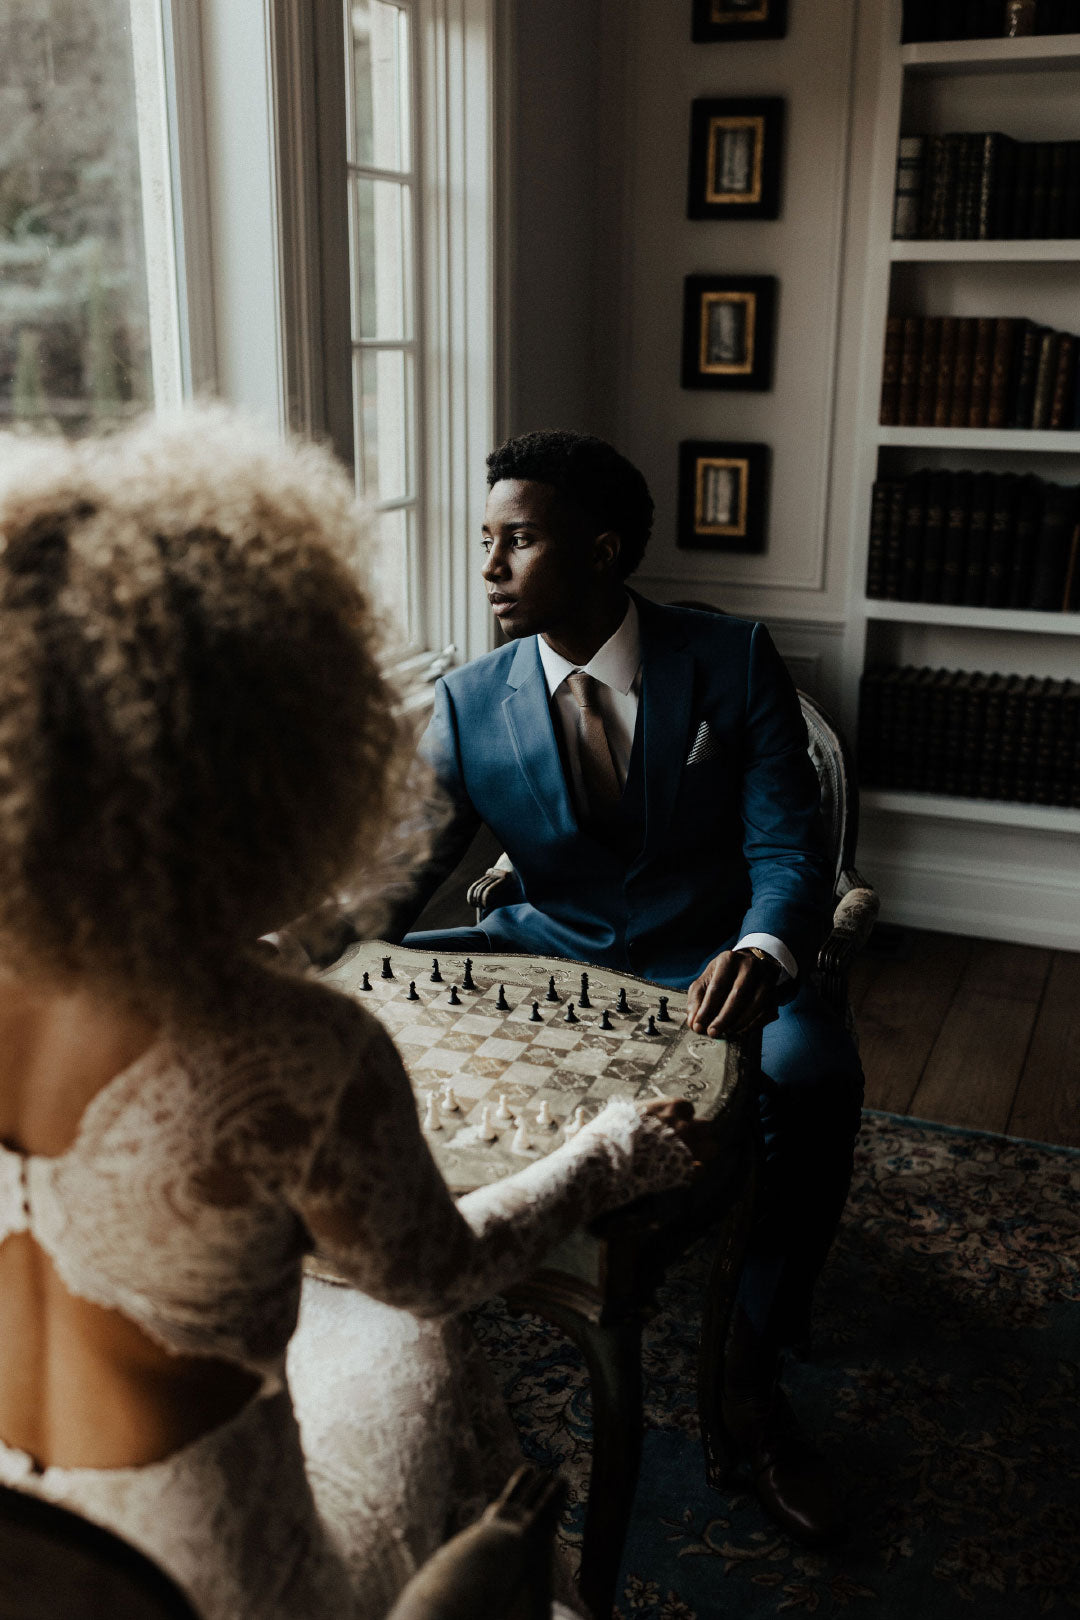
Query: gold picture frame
(735, 147)
(722, 495)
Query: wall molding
(1026, 905)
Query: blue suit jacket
(731, 840)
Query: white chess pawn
(488, 1133)
(504, 1113)
(432, 1122)
(521, 1143)
(574, 1125)
(543, 1115)
(449, 1103)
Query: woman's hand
(696, 1134)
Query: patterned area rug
(944, 1386)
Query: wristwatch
(762, 956)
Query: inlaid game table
(507, 1054)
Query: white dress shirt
(616, 668)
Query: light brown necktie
(600, 779)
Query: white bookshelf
(922, 844)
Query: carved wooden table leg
(717, 1306)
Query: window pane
(382, 259)
(390, 564)
(380, 54)
(74, 328)
(384, 379)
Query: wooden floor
(971, 1032)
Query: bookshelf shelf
(1040, 53)
(1055, 251)
(971, 618)
(993, 812)
(928, 438)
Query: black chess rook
(663, 1016)
(387, 970)
(436, 976)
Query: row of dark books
(970, 735)
(985, 186)
(978, 371)
(977, 539)
(986, 19)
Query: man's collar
(616, 663)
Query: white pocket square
(704, 745)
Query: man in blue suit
(646, 770)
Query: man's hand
(696, 1134)
(735, 994)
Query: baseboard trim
(1022, 905)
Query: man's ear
(606, 549)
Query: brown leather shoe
(790, 1478)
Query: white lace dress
(199, 1179)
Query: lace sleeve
(377, 1206)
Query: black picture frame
(728, 332)
(723, 491)
(738, 19)
(735, 154)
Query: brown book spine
(961, 389)
(1070, 602)
(1045, 373)
(928, 371)
(997, 403)
(890, 372)
(1063, 382)
(909, 369)
(945, 370)
(980, 372)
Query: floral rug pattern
(944, 1387)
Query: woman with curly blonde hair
(196, 745)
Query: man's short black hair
(605, 487)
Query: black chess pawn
(412, 995)
(552, 993)
(622, 1005)
(583, 999)
(605, 1020)
(501, 1003)
(436, 976)
(650, 1027)
(534, 1016)
(466, 977)
(571, 1015)
(455, 999)
(387, 970)
(663, 1016)
(365, 982)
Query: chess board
(513, 1059)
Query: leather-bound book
(933, 546)
(1039, 205)
(880, 502)
(894, 539)
(909, 369)
(956, 699)
(890, 371)
(940, 187)
(911, 545)
(1029, 519)
(1024, 391)
(1044, 757)
(1012, 703)
(1067, 768)
(981, 362)
(1072, 190)
(919, 746)
(973, 583)
(907, 201)
(961, 388)
(965, 221)
(946, 370)
(1050, 560)
(904, 739)
(1064, 381)
(882, 748)
(987, 775)
(1001, 364)
(938, 730)
(999, 542)
(1022, 181)
(1059, 182)
(1045, 374)
(868, 736)
(928, 371)
(1070, 595)
(991, 148)
(1032, 698)
(971, 746)
(954, 551)
(1003, 203)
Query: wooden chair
(56, 1565)
(855, 904)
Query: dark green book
(954, 551)
(894, 540)
(995, 592)
(971, 748)
(911, 545)
(933, 546)
(973, 584)
(1029, 511)
(1050, 552)
(880, 502)
(987, 775)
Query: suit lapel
(527, 712)
(667, 690)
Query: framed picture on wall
(735, 157)
(739, 19)
(722, 493)
(728, 326)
